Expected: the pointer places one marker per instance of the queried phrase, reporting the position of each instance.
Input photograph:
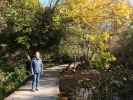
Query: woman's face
(37, 55)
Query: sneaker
(37, 89)
(33, 90)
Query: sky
(44, 2)
(130, 2)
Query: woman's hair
(34, 53)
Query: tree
(91, 13)
(95, 18)
(31, 26)
(19, 15)
(47, 30)
(3, 6)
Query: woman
(37, 70)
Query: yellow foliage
(122, 9)
(92, 38)
(105, 36)
(32, 3)
(92, 12)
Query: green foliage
(11, 80)
(24, 40)
(116, 82)
(19, 16)
(47, 30)
(56, 21)
(125, 42)
(99, 54)
(29, 26)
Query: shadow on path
(24, 90)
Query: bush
(11, 80)
(99, 55)
(116, 82)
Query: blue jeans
(35, 81)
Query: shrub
(114, 83)
(11, 80)
(98, 51)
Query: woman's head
(37, 54)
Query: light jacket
(36, 66)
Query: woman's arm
(42, 67)
(32, 68)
